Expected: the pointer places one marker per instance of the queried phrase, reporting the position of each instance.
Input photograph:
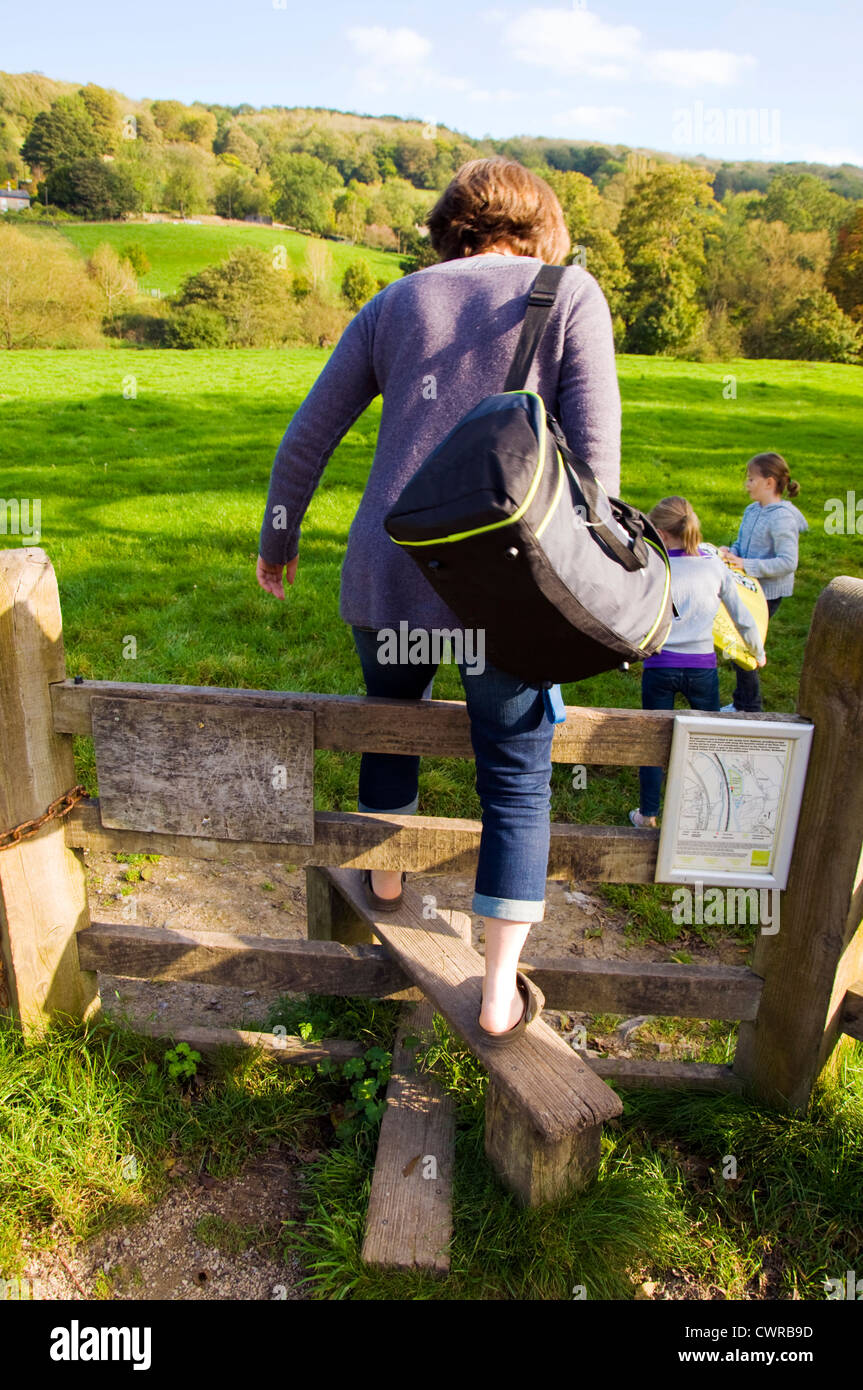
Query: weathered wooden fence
(215, 773)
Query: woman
(434, 344)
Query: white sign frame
(687, 724)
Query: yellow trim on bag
(561, 477)
(517, 515)
(645, 640)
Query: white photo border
(688, 722)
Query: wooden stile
(213, 795)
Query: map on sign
(732, 790)
(732, 800)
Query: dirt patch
(213, 1241)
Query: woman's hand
(762, 662)
(270, 576)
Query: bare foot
(499, 1018)
(386, 883)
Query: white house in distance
(13, 199)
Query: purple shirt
(434, 344)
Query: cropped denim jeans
(511, 739)
(659, 685)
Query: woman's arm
(588, 393)
(344, 389)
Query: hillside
(23, 95)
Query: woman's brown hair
(498, 200)
(675, 515)
(774, 466)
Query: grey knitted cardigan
(433, 344)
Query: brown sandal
(534, 1003)
(378, 903)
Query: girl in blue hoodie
(766, 547)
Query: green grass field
(151, 505)
(178, 250)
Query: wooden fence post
(817, 953)
(43, 889)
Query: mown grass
(178, 250)
(667, 1204)
(151, 506)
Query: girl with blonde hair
(700, 582)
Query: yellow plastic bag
(726, 638)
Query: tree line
(691, 263)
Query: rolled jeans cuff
(514, 909)
(408, 810)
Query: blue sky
(732, 80)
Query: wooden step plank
(409, 1221)
(540, 1073)
(247, 962)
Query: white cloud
(579, 43)
(397, 62)
(682, 67)
(502, 94)
(832, 154)
(589, 117)
(389, 47)
(572, 41)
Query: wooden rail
(428, 728)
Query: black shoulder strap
(542, 296)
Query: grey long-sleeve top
(434, 344)
(767, 543)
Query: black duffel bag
(520, 539)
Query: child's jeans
(511, 739)
(699, 685)
(747, 691)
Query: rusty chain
(61, 807)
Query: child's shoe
(642, 822)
